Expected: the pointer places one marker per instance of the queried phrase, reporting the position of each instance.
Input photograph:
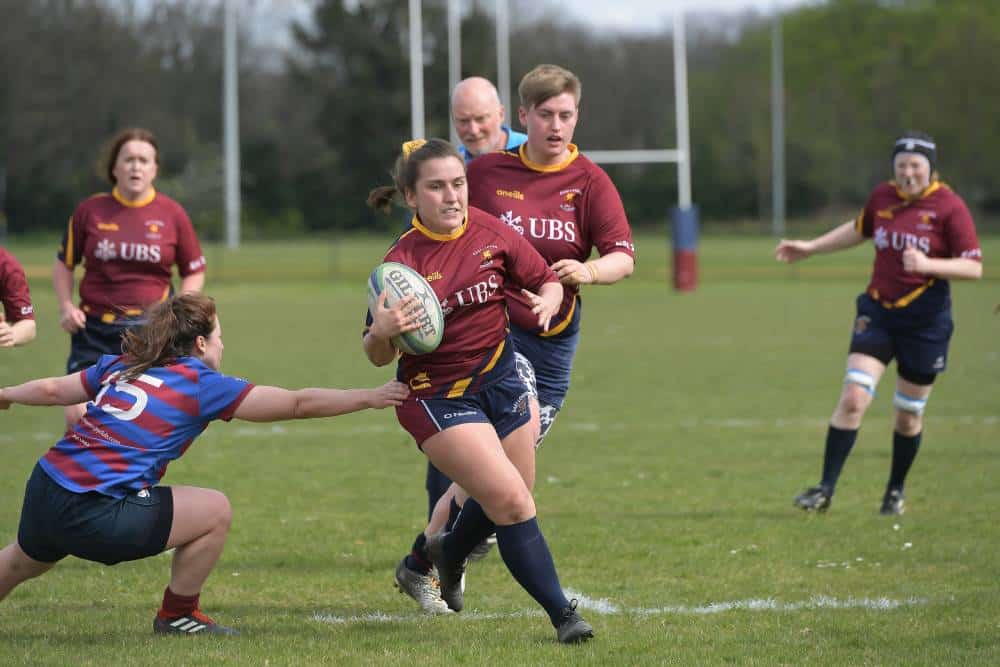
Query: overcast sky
(640, 15)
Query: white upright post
(681, 94)
(416, 72)
(777, 128)
(231, 127)
(503, 56)
(454, 56)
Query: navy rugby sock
(839, 442)
(904, 450)
(527, 556)
(471, 527)
(417, 559)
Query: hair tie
(412, 145)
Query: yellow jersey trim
(68, 250)
(437, 236)
(138, 203)
(558, 329)
(927, 192)
(460, 386)
(904, 300)
(574, 153)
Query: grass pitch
(664, 488)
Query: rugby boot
(423, 588)
(815, 498)
(571, 628)
(451, 576)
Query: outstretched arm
(270, 404)
(65, 390)
(838, 238)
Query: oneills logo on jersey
(434, 276)
(510, 194)
(107, 226)
(420, 381)
(885, 213)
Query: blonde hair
(545, 82)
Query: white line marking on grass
(607, 608)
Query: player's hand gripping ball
(401, 281)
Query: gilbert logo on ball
(401, 281)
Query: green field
(664, 488)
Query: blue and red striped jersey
(132, 430)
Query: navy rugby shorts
(95, 339)
(917, 340)
(503, 404)
(551, 358)
(57, 522)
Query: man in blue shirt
(478, 117)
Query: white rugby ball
(400, 281)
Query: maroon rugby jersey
(564, 210)
(14, 289)
(937, 223)
(468, 271)
(129, 250)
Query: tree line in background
(322, 118)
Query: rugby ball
(400, 281)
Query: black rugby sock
(453, 510)
(523, 549)
(417, 559)
(839, 442)
(471, 527)
(904, 450)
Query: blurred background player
(129, 240)
(478, 116)
(17, 322)
(469, 410)
(94, 495)
(923, 236)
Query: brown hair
(119, 140)
(407, 170)
(170, 331)
(545, 82)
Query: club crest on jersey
(861, 324)
(569, 199)
(153, 228)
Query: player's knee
(859, 388)
(514, 506)
(221, 510)
(909, 413)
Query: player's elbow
(26, 331)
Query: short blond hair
(545, 82)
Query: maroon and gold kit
(937, 223)
(565, 211)
(14, 289)
(469, 270)
(129, 250)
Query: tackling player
(924, 237)
(95, 494)
(129, 241)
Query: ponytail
(170, 331)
